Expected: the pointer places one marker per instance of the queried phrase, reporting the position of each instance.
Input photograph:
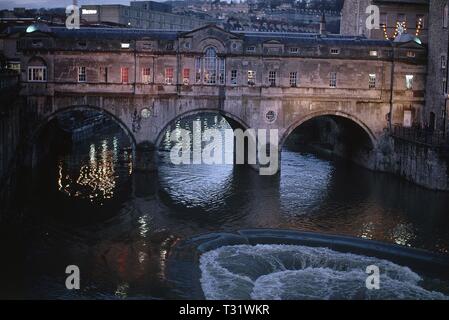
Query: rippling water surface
(287, 272)
(89, 208)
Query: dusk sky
(9, 4)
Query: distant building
(140, 14)
(436, 109)
(411, 15)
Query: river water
(88, 207)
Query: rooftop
(250, 37)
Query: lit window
(372, 81)
(198, 70)
(443, 62)
(89, 11)
(373, 53)
(186, 76)
(333, 80)
(81, 74)
(125, 45)
(169, 75)
(272, 78)
(37, 74)
(410, 54)
(124, 74)
(146, 75)
(293, 79)
(14, 66)
(210, 68)
(234, 77)
(335, 51)
(251, 77)
(409, 81)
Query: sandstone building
(412, 15)
(140, 14)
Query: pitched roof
(251, 38)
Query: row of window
(39, 74)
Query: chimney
(323, 24)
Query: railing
(422, 136)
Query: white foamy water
(299, 272)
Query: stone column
(145, 157)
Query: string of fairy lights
(402, 25)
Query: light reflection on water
(125, 254)
(93, 177)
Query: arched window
(210, 66)
(445, 15)
(210, 69)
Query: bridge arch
(234, 121)
(48, 118)
(336, 113)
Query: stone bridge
(147, 80)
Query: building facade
(411, 15)
(437, 86)
(140, 14)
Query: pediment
(211, 31)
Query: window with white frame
(272, 78)
(210, 69)
(169, 75)
(293, 79)
(372, 80)
(335, 51)
(198, 69)
(234, 80)
(443, 62)
(251, 77)
(37, 74)
(146, 75)
(333, 79)
(409, 81)
(81, 74)
(210, 66)
(294, 50)
(221, 71)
